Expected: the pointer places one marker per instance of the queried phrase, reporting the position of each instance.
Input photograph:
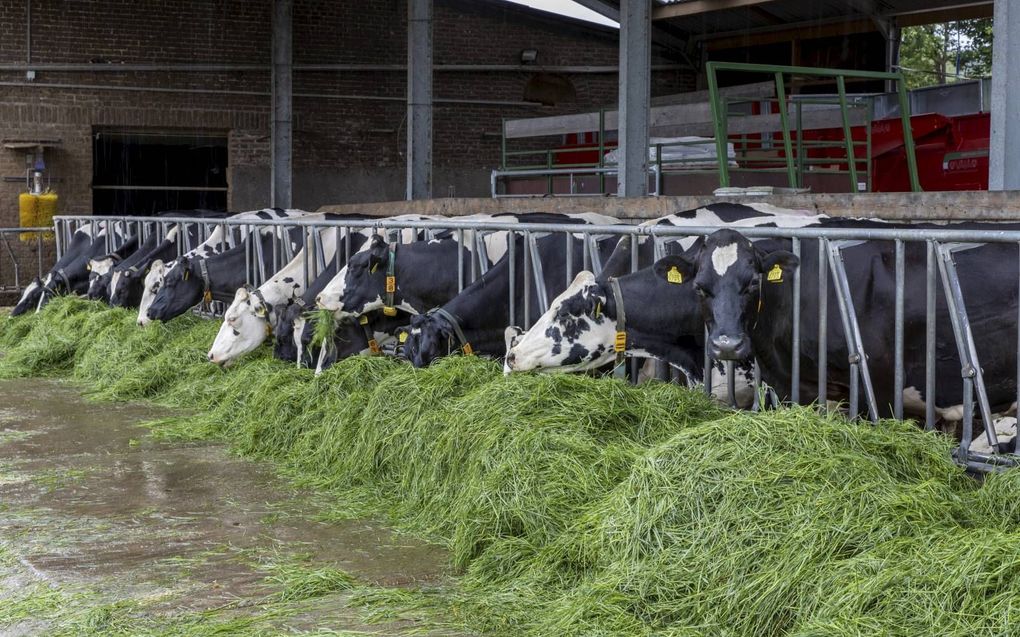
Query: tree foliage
(949, 52)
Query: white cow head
(245, 326)
(153, 281)
(575, 334)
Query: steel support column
(635, 96)
(281, 136)
(1004, 156)
(419, 99)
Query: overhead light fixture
(528, 56)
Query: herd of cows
(400, 293)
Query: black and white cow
(215, 243)
(353, 337)
(213, 278)
(746, 302)
(481, 311)
(73, 276)
(79, 246)
(255, 313)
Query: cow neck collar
(365, 322)
(620, 343)
(63, 276)
(203, 269)
(463, 343)
(267, 306)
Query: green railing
(720, 116)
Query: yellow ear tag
(620, 345)
(186, 273)
(207, 297)
(373, 346)
(403, 337)
(88, 266)
(389, 311)
(775, 275)
(260, 311)
(468, 351)
(391, 284)
(269, 330)
(363, 320)
(674, 275)
(374, 268)
(598, 310)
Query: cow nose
(212, 359)
(511, 358)
(726, 347)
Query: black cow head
(284, 344)
(128, 288)
(364, 284)
(728, 274)
(181, 290)
(431, 336)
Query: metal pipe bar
(527, 279)
(898, 334)
(460, 260)
(795, 336)
(570, 257)
(98, 67)
(536, 269)
(863, 234)
(512, 287)
(707, 372)
(823, 328)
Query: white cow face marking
(153, 281)
(723, 257)
(244, 328)
(573, 335)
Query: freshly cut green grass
(583, 506)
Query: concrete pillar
(419, 99)
(1004, 153)
(281, 134)
(635, 96)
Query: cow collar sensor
(391, 282)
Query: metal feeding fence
(18, 264)
(833, 248)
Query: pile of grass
(576, 505)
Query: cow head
(361, 285)
(575, 334)
(285, 339)
(245, 326)
(29, 298)
(181, 290)
(100, 273)
(431, 336)
(125, 287)
(153, 281)
(728, 274)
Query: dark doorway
(142, 173)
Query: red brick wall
(345, 150)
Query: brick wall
(346, 149)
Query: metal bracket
(859, 372)
(970, 369)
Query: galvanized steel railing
(13, 263)
(940, 247)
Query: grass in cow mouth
(576, 505)
(325, 326)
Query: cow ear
(675, 269)
(511, 335)
(377, 253)
(779, 264)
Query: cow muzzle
(730, 348)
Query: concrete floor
(96, 511)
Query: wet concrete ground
(93, 508)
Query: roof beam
(602, 8)
(695, 7)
